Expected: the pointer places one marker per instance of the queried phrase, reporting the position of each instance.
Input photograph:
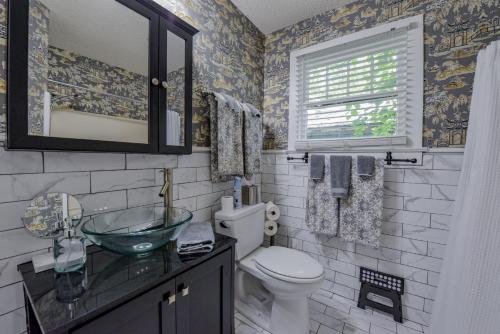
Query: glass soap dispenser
(69, 250)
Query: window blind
(355, 90)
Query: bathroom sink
(137, 230)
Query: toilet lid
(289, 262)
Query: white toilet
(271, 284)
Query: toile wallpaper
(88, 85)
(228, 57)
(176, 95)
(175, 90)
(38, 65)
(454, 30)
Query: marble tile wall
(417, 207)
(102, 182)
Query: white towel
(173, 128)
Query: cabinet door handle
(155, 81)
(169, 297)
(164, 84)
(185, 291)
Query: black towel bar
(390, 160)
(305, 158)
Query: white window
(363, 89)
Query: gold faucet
(166, 190)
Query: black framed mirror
(93, 76)
(176, 97)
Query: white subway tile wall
(418, 204)
(101, 182)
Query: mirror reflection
(88, 71)
(175, 85)
(45, 215)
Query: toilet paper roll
(227, 203)
(272, 211)
(270, 228)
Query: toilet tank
(245, 224)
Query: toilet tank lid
(239, 213)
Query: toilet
(271, 284)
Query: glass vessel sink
(136, 231)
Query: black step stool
(385, 285)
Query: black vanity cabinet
(207, 308)
(160, 294)
(111, 76)
(149, 313)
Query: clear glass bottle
(69, 252)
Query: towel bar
(390, 160)
(305, 158)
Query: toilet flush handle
(225, 224)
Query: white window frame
(415, 96)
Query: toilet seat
(288, 265)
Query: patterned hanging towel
(321, 206)
(253, 137)
(361, 212)
(226, 137)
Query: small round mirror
(48, 214)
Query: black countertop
(63, 301)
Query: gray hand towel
(366, 165)
(196, 238)
(340, 169)
(317, 169)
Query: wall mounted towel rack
(390, 160)
(305, 158)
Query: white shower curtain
(468, 296)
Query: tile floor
(339, 316)
(243, 325)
